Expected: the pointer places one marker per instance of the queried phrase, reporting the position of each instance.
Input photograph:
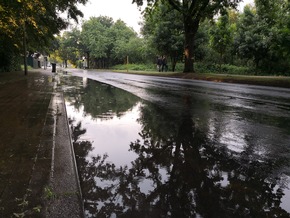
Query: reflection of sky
(285, 204)
(239, 134)
(112, 136)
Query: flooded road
(154, 147)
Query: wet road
(160, 147)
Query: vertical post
(24, 49)
(88, 59)
(127, 62)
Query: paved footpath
(38, 175)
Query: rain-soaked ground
(24, 105)
(195, 157)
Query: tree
(221, 36)
(69, 46)
(192, 11)
(110, 42)
(35, 21)
(250, 40)
(263, 36)
(136, 49)
(95, 38)
(120, 35)
(164, 28)
(275, 16)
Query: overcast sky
(120, 9)
(117, 9)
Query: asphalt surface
(38, 175)
(262, 99)
(239, 132)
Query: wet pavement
(144, 147)
(155, 147)
(35, 141)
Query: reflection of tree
(98, 100)
(188, 175)
(77, 130)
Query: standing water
(139, 159)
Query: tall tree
(263, 36)
(70, 47)
(163, 26)
(110, 42)
(221, 36)
(275, 14)
(35, 22)
(95, 37)
(250, 40)
(193, 11)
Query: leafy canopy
(38, 19)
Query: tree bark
(190, 29)
(88, 60)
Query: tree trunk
(88, 60)
(188, 53)
(173, 62)
(25, 49)
(190, 29)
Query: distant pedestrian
(164, 64)
(159, 63)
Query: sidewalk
(38, 176)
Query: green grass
(135, 67)
(233, 74)
(28, 67)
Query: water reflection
(176, 165)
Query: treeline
(254, 41)
(101, 43)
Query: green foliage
(254, 41)
(202, 67)
(223, 69)
(199, 66)
(69, 46)
(163, 28)
(263, 36)
(221, 35)
(137, 67)
(110, 42)
(192, 13)
(28, 67)
(95, 36)
(34, 22)
(10, 60)
(48, 193)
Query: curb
(64, 188)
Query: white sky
(117, 9)
(121, 9)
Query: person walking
(164, 64)
(159, 63)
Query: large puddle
(137, 159)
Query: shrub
(137, 67)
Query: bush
(222, 69)
(137, 67)
(198, 66)
(10, 62)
